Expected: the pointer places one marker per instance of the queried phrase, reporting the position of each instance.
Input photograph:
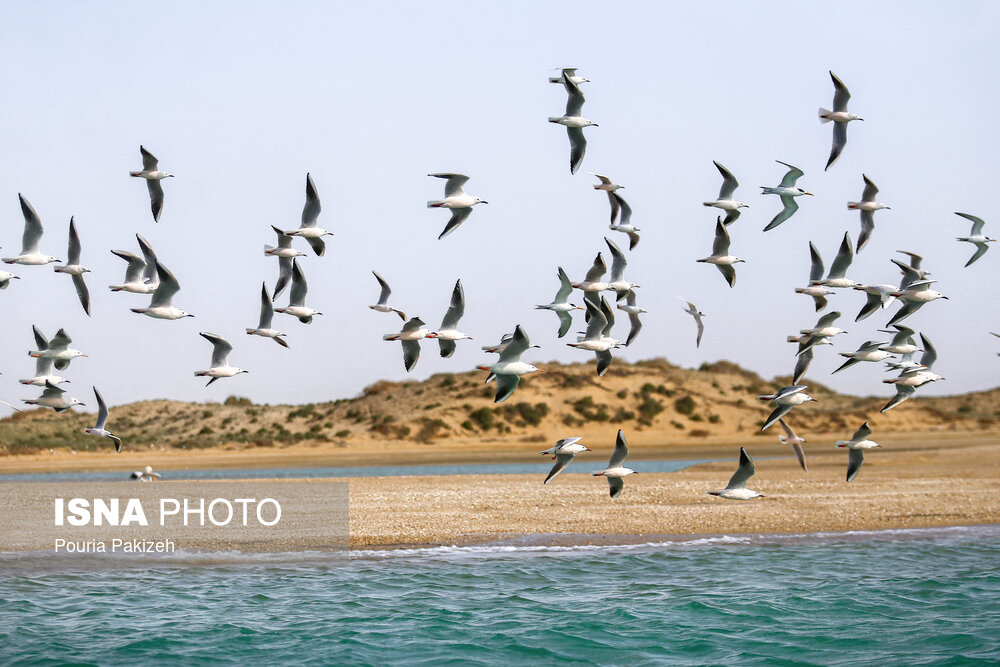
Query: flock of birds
(147, 275)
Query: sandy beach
(912, 481)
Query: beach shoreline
(909, 483)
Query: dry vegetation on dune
(653, 400)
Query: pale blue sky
(241, 100)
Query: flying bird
(840, 118)
(737, 487)
(592, 281)
(720, 254)
(560, 303)
(815, 289)
(220, 367)
(31, 239)
(785, 399)
(310, 213)
(449, 333)
(618, 263)
(43, 364)
(595, 339)
(867, 206)
(264, 325)
(161, 305)
(856, 447)
(574, 123)
(383, 299)
(976, 237)
(74, 268)
(563, 453)
(625, 225)
(413, 331)
(6, 277)
(455, 199)
(102, 418)
(571, 73)
(869, 351)
(725, 200)
(914, 296)
(610, 187)
(615, 472)
(509, 368)
(787, 191)
(58, 350)
(140, 274)
(693, 311)
(151, 172)
(837, 277)
(285, 254)
(795, 441)
(633, 311)
(52, 397)
(297, 297)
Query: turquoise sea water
(882, 598)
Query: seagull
(571, 73)
(264, 327)
(160, 306)
(383, 299)
(43, 364)
(297, 297)
(153, 175)
(595, 338)
(785, 399)
(725, 200)
(867, 206)
(908, 381)
(787, 191)
(448, 333)
(574, 123)
(795, 441)
(220, 367)
(74, 268)
(6, 277)
(31, 239)
(905, 363)
(625, 225)
(976, 237)
(915, 295)
(608, 186)
(816, 290)
(737, 487)
(102, 418)
(285, 254)
(58, 350)
(633, 317)
(455, 198)
(805, 358)
(618, 263)
(501, 346)
(145, 476)
(560, 304)
(509, 368)
(693, 311)
(563, 453)
(840, 117)
(140, 274)
(902, 340)
(857, 445)
(878, 296)
(52, 397)
(838, 270)
(310, 213)
(615, 470)
(914, 265)
(869, 351)
(720, 254)
(824, 329)
(592, 282)
(413, 331)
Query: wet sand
(910, 482)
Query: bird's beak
(482, 368)
(810, 194)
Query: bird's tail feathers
(823, 115)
